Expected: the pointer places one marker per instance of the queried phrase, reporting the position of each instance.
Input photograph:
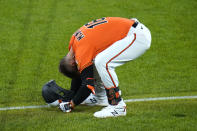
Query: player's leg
(105, 64)
(127, 49)
(100, 97)
(131, 47)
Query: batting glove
(65, 106)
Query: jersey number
(96, 22)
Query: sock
(113, 95)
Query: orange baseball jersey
(96, 36)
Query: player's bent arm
(75, 84)
(84, 90)
(87, 86)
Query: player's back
(103, 32)
(97, 35)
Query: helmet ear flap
(54, 94)
(49, 92)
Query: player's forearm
(75, 84)
(84, 90)
(81, 95)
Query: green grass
(161, 115)
(34, 36)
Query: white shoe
(112, 111)
(93, 100)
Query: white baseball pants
(137, 41)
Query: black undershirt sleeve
(75, 84)
(86, 79)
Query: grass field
(34, 36)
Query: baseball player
(105, 44)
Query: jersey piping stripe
(117, 56)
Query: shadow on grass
(80, 109)
(179, 115)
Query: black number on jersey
(96, 22)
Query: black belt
(135, 24)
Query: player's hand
(65, 106)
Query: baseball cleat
(93, 100)
(112, 111)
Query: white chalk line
(129, 100)
(23, 107)
(161, 98)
